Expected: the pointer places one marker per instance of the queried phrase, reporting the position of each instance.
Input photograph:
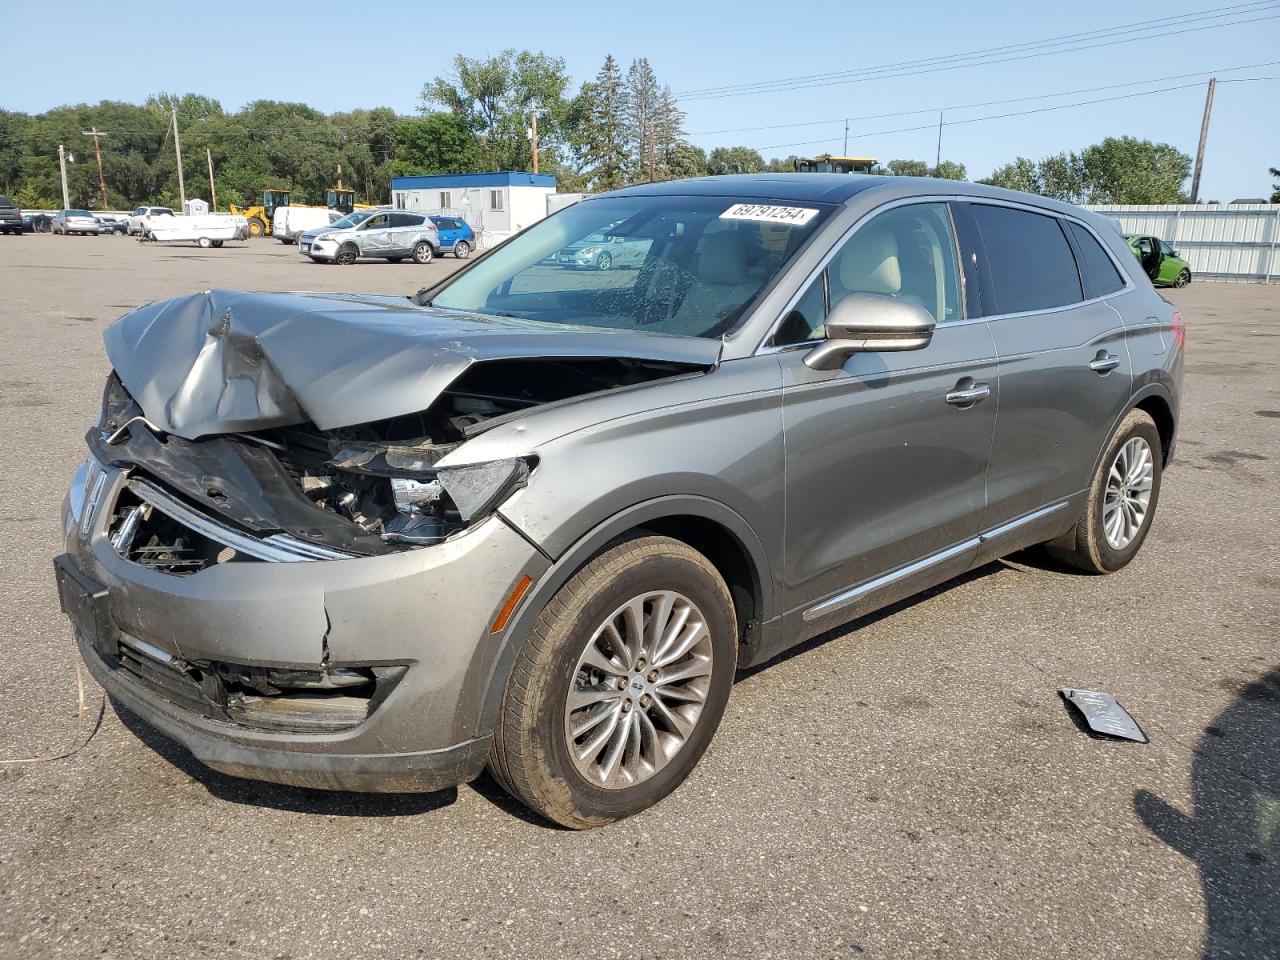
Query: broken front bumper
(154, 639)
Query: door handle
(1104, 362)
(968, 396)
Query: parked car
(603, 252)
(1159, 260)
(289, 221)
(112, 225)
(36, 222)
(530, 522)
(140, 220)
(456, 236)
(384, 235)
(10, 216)
(67, 222)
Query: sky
(331, 56)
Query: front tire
(257, 227)
(1183, 279)
(619, 686)
(1121, 504)
(604, 261)
(346, 255)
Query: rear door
(1065, 374)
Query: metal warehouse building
(495, 204)
(1227, 241)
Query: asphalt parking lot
(908, 786)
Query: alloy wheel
(638, 689)
(1128, 494)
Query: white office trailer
(496, 205)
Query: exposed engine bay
(365, 490)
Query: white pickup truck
(288, 222)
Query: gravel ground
(907, 786)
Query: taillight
(1179, 330)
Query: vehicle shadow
(256, 793)
(1233, 833)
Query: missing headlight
(478, 488)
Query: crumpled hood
(224, 361)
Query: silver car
(67, 222)
(392, 235)
(601, 251)
(534, 523)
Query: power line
(1015, 113)
(988, 103)
(910, 69)
(1140, 25)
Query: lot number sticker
(794, 216)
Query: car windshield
(691, 266)
(352, 220)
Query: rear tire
(256, 227)
(205, 243)
(462, 249)
(672, 699)
(422, 252)
(1115, 518)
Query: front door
(886, 458)
(375, 236)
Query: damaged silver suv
(535, 519)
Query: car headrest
(723, 259)
(870, 262)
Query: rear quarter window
(6, 202)
(1028, 258)
(1101, 278)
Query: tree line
(622, 126)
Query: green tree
(782, 165)
(949, 170)
(495, 98)
(436, 143)
(641, 95)
(1275, 187)
(603, 135)
(1019, 175)
(1129, 170)
(724, 160)
(908, 168)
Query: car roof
(838, 188)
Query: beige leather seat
(723, 286)
(870, 264)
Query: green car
(1160, 261)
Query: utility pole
(213, 191)
(62, 165)
(97, 148)
(1204, 135)
(534, 109)
(937, 164)
(846, 138)
(177, 149)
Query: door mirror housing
(871, 323)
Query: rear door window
(1028, 259)
(405, 220)
(1101, 278)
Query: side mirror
(871, 323)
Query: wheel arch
(710, 527)
(1156, 405)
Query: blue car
(455, 235)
